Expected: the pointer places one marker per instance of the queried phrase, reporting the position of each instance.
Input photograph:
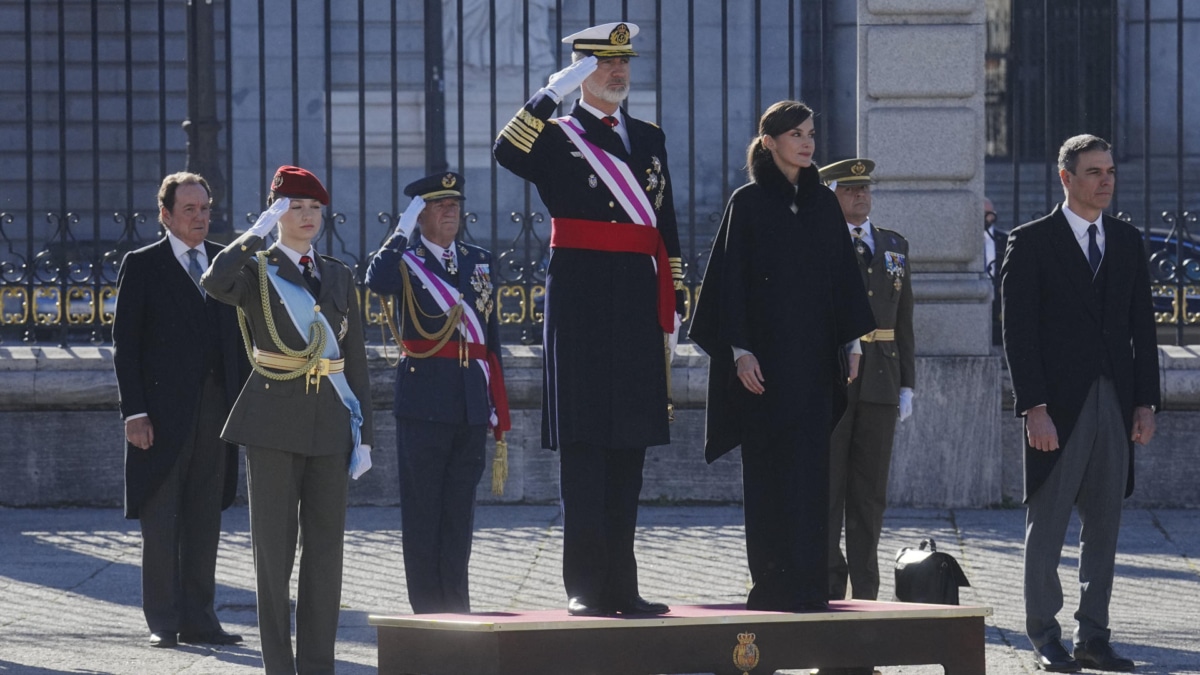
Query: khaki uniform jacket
(887, 366)
(281, 414)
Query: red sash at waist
(450, 350)
(595, 235)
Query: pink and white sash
(615, 173)
(446, 297)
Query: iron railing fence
(1115, 68)
(93, 95)
(99, 91)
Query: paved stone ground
(70, 599)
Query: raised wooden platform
(719, 639)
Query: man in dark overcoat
(861, 447)
(1080, 341)
(449, 386)
(179, 367)
(611, 289)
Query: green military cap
(848, 172)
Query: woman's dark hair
(779, 118)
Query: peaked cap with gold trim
(448, 185)
(848, 172)
(606, 40)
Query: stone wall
(61, 440)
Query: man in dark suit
(1079, 337)
(449, 386)
(179, 368)
(861, 446)
(611, 295)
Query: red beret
(297, 183)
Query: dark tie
(860, 245)
(194, 269)
(1094, 254)
(314, 284)
(448, 262)
(610, 121)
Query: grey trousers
(181, 527)
(1090, 475)
(297, 498)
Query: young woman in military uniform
(304, 415)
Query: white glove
(673, 339)
(360, 461)
(568, 79)
(906, 395)
(408, 219)
(267, 219)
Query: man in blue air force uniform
(449, 386)
(611, 290)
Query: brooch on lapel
(894, 262)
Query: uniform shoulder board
(552, 120)
(329, 258)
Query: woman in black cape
(781, 305)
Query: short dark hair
(781, 117)
(166, 191)
(1068, 154)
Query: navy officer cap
(448, 185)
(605, 41)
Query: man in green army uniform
(862, 441)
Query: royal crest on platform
(745, 654)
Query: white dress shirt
(621, 129)
(1079, 227)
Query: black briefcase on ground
(928, 575)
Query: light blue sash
(299, 304)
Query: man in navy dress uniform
(449, 386)
(611, 289)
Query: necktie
(860, 245)
(448, 261)
(314, 284)
(1094, 254)
(193, 268)
(610, 121)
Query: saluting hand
(267, 219)
(408, 219)
(1043, 435)
(140, 432)
(570, 78)
(750, 374)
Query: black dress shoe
(212, 637)
(1052, 657)
(639, 605)
(163, 639)
(1099, 655)
(577, 606)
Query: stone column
(920, 117)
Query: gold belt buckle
(320, 369)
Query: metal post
(201, 125)
(435, 90)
